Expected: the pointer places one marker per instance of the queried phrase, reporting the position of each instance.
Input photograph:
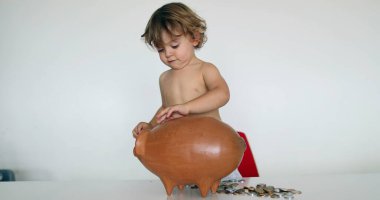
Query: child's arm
(143, 125)
(153, 122)
(217, 96)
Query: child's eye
(160, 50)
(175, 46)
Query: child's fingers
(161, 114)
(134, 131)
(134, 134)
(139, 128)
(170, 113)
(161, 119)
(167, 112)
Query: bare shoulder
(208, 65)
(164, 75)
(209, 69)
(212, 77)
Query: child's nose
(168, 53)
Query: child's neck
(192, 62)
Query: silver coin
(260, 185)
(294, 191)
(250, 189)
(239, 191)
(269, 189)
(260, 190)
(288, 195)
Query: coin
(260, 190)
(260, 185)
(288, 195)
(269, 189)
(239, 191)
(294, 191)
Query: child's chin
(176, 67)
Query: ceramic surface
(190, 150)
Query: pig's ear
(139, 149)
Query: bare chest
(180, 88)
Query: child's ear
(196, 38)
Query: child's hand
(140, 126)
(172, 112)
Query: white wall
(75, 78)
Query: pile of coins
(261, 190)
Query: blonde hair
(173, 17)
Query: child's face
(177, 50)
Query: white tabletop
(334, 187)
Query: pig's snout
(139, 149)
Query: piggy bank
(190, 150)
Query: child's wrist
(187, 108)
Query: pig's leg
(204, 186)
(215, 186)
(168, 184)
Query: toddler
(190, 86)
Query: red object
(247, 167)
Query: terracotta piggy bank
(190, 150)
